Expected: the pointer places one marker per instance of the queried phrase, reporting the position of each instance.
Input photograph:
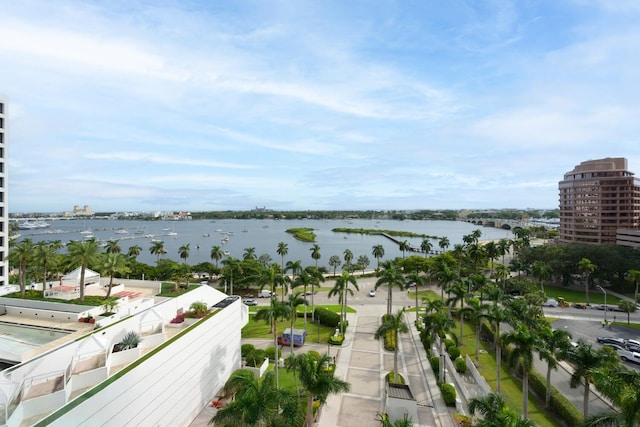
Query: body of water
(235, 236)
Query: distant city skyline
(391, 105)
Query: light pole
(605, 304)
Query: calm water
(263, 235)
(18, 339)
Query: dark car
(611, 341)
(250, 302)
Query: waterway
(263, 235)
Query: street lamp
(605, 304)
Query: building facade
(597, 198)
(4, 209)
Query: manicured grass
(167, 289)
(261, 329)
(574, 295)
(511, 387)
(426, 295)
(89, 300)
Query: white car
(550, 302)
(626, 355)
(372, 293)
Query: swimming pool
(17, 339)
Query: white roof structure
(90, 276)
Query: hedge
(327, 317)
(558, 404)
(461, 365)
(255, 358)
(270, 352)
(390, 377)
(434, 361)
(246, 349)
(448, 394)
(454, 352)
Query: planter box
(125, 356)
(259, 372)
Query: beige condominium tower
(597, 198)
(4, 210)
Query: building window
(1, 108)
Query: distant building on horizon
(599, 198)
(78, 211)
(4, 202)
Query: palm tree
(318, 381)
(477, 311)
(492, 250)
(476, 252)
(231, 267)
(316, 277)
(342, 289)
(627, 307)
(443, 274)
(112, 247)
(114, 263)
(315, 253)
(416, 279)
(293, 302)
(394, 324)
(303, 280)
(555, 345)
(282, 250)
(363, 261)
(44, 254)
(216, 254)
(270, 315)
(134, 251)
(444, 243)
(426, 247)
(438, 323)
(586, 360)
(265, 260)
(622, 386)
(586, 268)
(497, 314)
(458, 292)
(348, 257)
(634, 275)
(334, 262)
(542, 271)
(503, 247)
(249, 253)
(495, 413)
(183, 252)
(157, 249)
(378, 252)
(524, 344)
(295, 267)
(21, 255)
(404, 246)
(391, 277)
(83, 253)
(257, 402)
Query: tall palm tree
(348, 257)
(363, 261)
(303, 280)
(476, 252)
(83, 253)
(231, 268)
(316, 277)
(249, 253)
(315, 253)
(443, 275)
(438, 323)
(524, 344)
(378, 252)
(458, 293)
(295, 267)
(334, 262)
(270, 314)
(265, 260)
(216, 254)
(45, 254)
(318, 381)
(555, 345)
(477, 311)
(586, 360)
(404, 246)
(416, 279)
(257, 402)
(394, 324)
(183, 252)
(134, 251)
(503, 246)
(426, 247)
(342, 289)
(443, 243)
(634, 275)
(492, 251)
(293, 301)
(391, 277)
(497, 314)
(495, 412)
(157, 249)
(112, 247)
(282, 250)
(586, 268)
(113, 263)
(622, 386)
(21, 255)
(542, 271)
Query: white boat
(87, 232)
(172, 233)
(225, 253)
(32, 225)
(121, 231)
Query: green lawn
(511, 387)
(573, 295)
(260, 329)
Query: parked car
(550, 302)
(265, 293)
(250, 302)
(372, 293)
(625, 354)
(611, 341)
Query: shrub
(255, 358)
(461, 365)
(449, 343)
(448, 394)
(559, 404)
(434, 361)
(314, 354)
(454, 352)
(270, 352)
(336, 340)
(178, 319)
(327, 317)
(390, 341)
(390, 378)
(198, 309)
(246, 349)
(130, 340)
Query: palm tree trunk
(525, 392)
(477, 340)
(498, 360)
(547, 397)
(110, 285)
(389, 307)
(310, 410)
(305, 309)
(395, 360)
(585, 399)
(275, 345)
(313, 314)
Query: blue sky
(188, 105)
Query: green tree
(416, 279)
(282, 250)
(492, 250)
(112, 247)
(83, 253)
(443, 243)
(627, 307)
(216, 254)
(342, 288)
(134, 251)
(391, 277)
(316, 277)
(622, 386)
(393, 324)
(378, 252)
(249, 253)
(634, 275)
(316, 379)
(497, 314)
(542, 272)
(183, 252)
(113, 263)
(438, 323)
(443, 275)
(157, 249)
(315, 253)
(404, 246)
(348, 257)
(524, 344)
(296, 268)
(555, 345)
(495, 413)
(270, 315)
(45, 254)
(459, 292)
(586, 360)
(477, 311)
(426, 247)
(293, 301)
(335, 262)
(586, 268)
(363, 261)
(21, 256)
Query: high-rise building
(4, 210)
(597, 198)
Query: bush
(434, 361)
(461, 365)
(270, 352)
(559, 405)
(390, 341)
(255, 358)
(326, 317)
(448, 394)
(199, 309)
(449, 343)
(336, 340)
(314, 354)
(246, 349)
(390, 378)
(454, 352)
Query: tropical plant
(348, 257)
(315, 253)
(524, 344)
(404, 246)
(270, 314)
(438, 323)
(282, 250)
(342, 288)
(426, 246)
(295, 267)
(495, 413)
(497, 314)
(622, 386)
(542, 271)
(555, 345)
(130, 340)
(157, 249)
(293, 301)
(45, 254)
(249, 253)
(393, 324)
(21, 255)
(627, 307)
(112, 247)
(363, 261)
(83, 253)
(416, 279)
(586, 269)
(391, 277)
(114, 263)
(477, 311)
(216, 254)
(443, 243)
(459, 292)
(134, 251)
(443, 275)
(378, 252)
(335, 262)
